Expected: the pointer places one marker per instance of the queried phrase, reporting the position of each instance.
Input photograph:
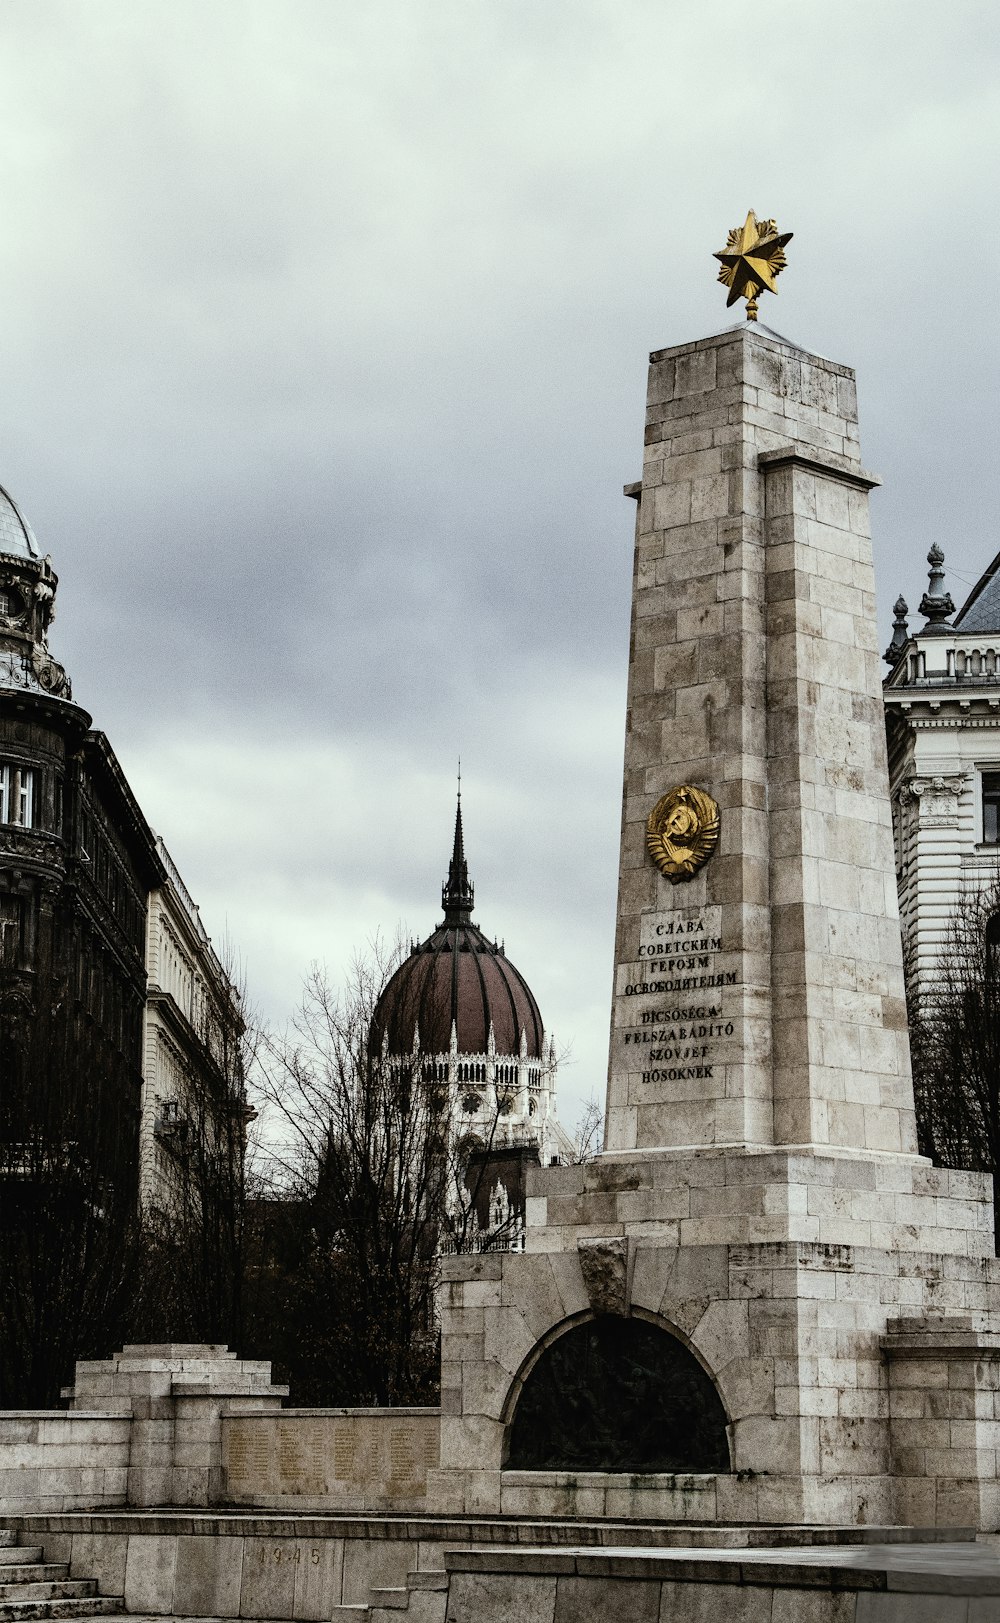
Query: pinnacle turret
(458, 893)
(936, 603)
(900, 631)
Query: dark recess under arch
(618, 1395)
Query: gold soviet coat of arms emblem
(682, 831)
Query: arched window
(618, 1395)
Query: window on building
(991, 808)
(992, 934)
(11, 925)
(17, 795)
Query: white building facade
(192, 1030)
(942, 703)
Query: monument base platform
(231, 1565)
(846, 1307)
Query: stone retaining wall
(302, 1568)
(51, 1461)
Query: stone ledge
(762, 335)
(502, 1531)
(829, 465)
(337, 1414)
(122, 1412)
(909, 1338)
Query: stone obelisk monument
(760, 1000)
(760, 1198)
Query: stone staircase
(423, 1600)
(31, 1587)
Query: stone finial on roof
(936, 604)
(900, 631)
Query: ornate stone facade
(942, 716)
(193, 1097)
(76, 864)
(81, 878)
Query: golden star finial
(753, 256)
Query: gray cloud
(324, 355)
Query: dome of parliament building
(459, 980)
(459, 1003)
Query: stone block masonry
(143, 1428)
(762, 1001)
(177, 1564)
(781, 1272)
(759, 1197)
(869, 1584)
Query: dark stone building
(77, 861)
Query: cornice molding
(829, 466)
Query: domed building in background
(458, 1017)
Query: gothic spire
(457, 893)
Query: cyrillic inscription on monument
(674, 1040)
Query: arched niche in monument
(617, 1394)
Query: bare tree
(193, 1234)
(589, 1135)
(83, 1269)
(359, 1144)
(955, 1042)
(381, 1161)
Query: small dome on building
(459, 986)
(27, 608)
(16, 537)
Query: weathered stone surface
(744, 1008)
(759, 1197)
(604, 1264)
(335, 1459)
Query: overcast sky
(324, 337)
